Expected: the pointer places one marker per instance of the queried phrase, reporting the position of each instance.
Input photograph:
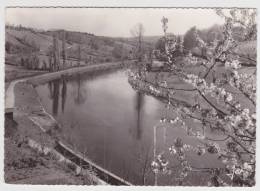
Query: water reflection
(81, 92)
(54, 94)
(98, 111)
(59, 86)
(63, 93)
(139, 100)
(113, 124)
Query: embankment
(79, 70)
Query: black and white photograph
(130, 96)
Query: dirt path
(9, 94)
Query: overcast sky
(112, 22)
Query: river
(105, 118)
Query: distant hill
(149, 41)
(152, 39)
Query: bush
(118, 51)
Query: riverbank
(78, 70)
(24, 163)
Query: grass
(247, 49)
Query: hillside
(23, 45)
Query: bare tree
(137, 32)
(56, 54)
(50, 57)
(63, 53)
(79, 52)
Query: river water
(106, 119)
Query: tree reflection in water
(139, 103)
(54, 93)
(55, 96)
(81, 93)
(63, 93)
(54, 90)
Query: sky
(114, 22)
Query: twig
(211, 104)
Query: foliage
(211, 34)
(160, 45)
(225, 105)
(189, 40)
(226, 114)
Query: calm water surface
(102, 116)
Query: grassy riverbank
(26, 165)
